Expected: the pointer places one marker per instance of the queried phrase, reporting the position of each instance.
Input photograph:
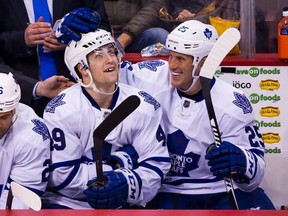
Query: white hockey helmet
(77, 51)
(192, 38)
(10, 92)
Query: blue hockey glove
(230, 161)
(121, 186)
(81, 20)
(125, 157)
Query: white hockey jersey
(188, 129)
(24, 155)
(73, 116)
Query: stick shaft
(220, 49)
(117, 116)
(205, 82)
(9, 199)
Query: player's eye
(98, 54)
(111, 52)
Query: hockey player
(195, 180)
(137, 144)
(24, 144)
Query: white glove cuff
(134, 184)
(251, 163)
(123, 159)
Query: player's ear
(81, 70)
(202, 61)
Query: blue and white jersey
(188, 129)
(72, 118)
(24, 155)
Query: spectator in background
(200, 10)
(182, 9)
(18, 41)
(135, 23)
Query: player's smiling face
(181, 70)
(5, 122)
(104, 66)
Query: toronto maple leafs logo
(242, 102)
(40, 128)
(151, 65)
(149, 99)
(57, 101)
(182, 161)
(207, 33)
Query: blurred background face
(5, 122)
(181, 70)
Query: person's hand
(120, 186)
(81, 20)
(35, 33)
(51, 44)
(124, 40)
(228, 160)
(52, 86)
(125, 157)
(113, 194)
(184, 14)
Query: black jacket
(13, 21)
(15, 56)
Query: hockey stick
(101, 132)
(27, 196)
(220, 49)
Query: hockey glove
(121, 186)
(81, 20)
(125, 157)
(230, 161)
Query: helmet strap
(195, 78)
(92, 85)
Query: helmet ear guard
(10, 92)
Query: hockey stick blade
(100, 133)
(31, 199)
(220, 49)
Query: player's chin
(112, 76)
(176, 82)
(2, 134)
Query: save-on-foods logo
(273, 150)
(268, 124)
(255, 98)
(269, 111)
(271, 138)
(254, 71)
(269, 84)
